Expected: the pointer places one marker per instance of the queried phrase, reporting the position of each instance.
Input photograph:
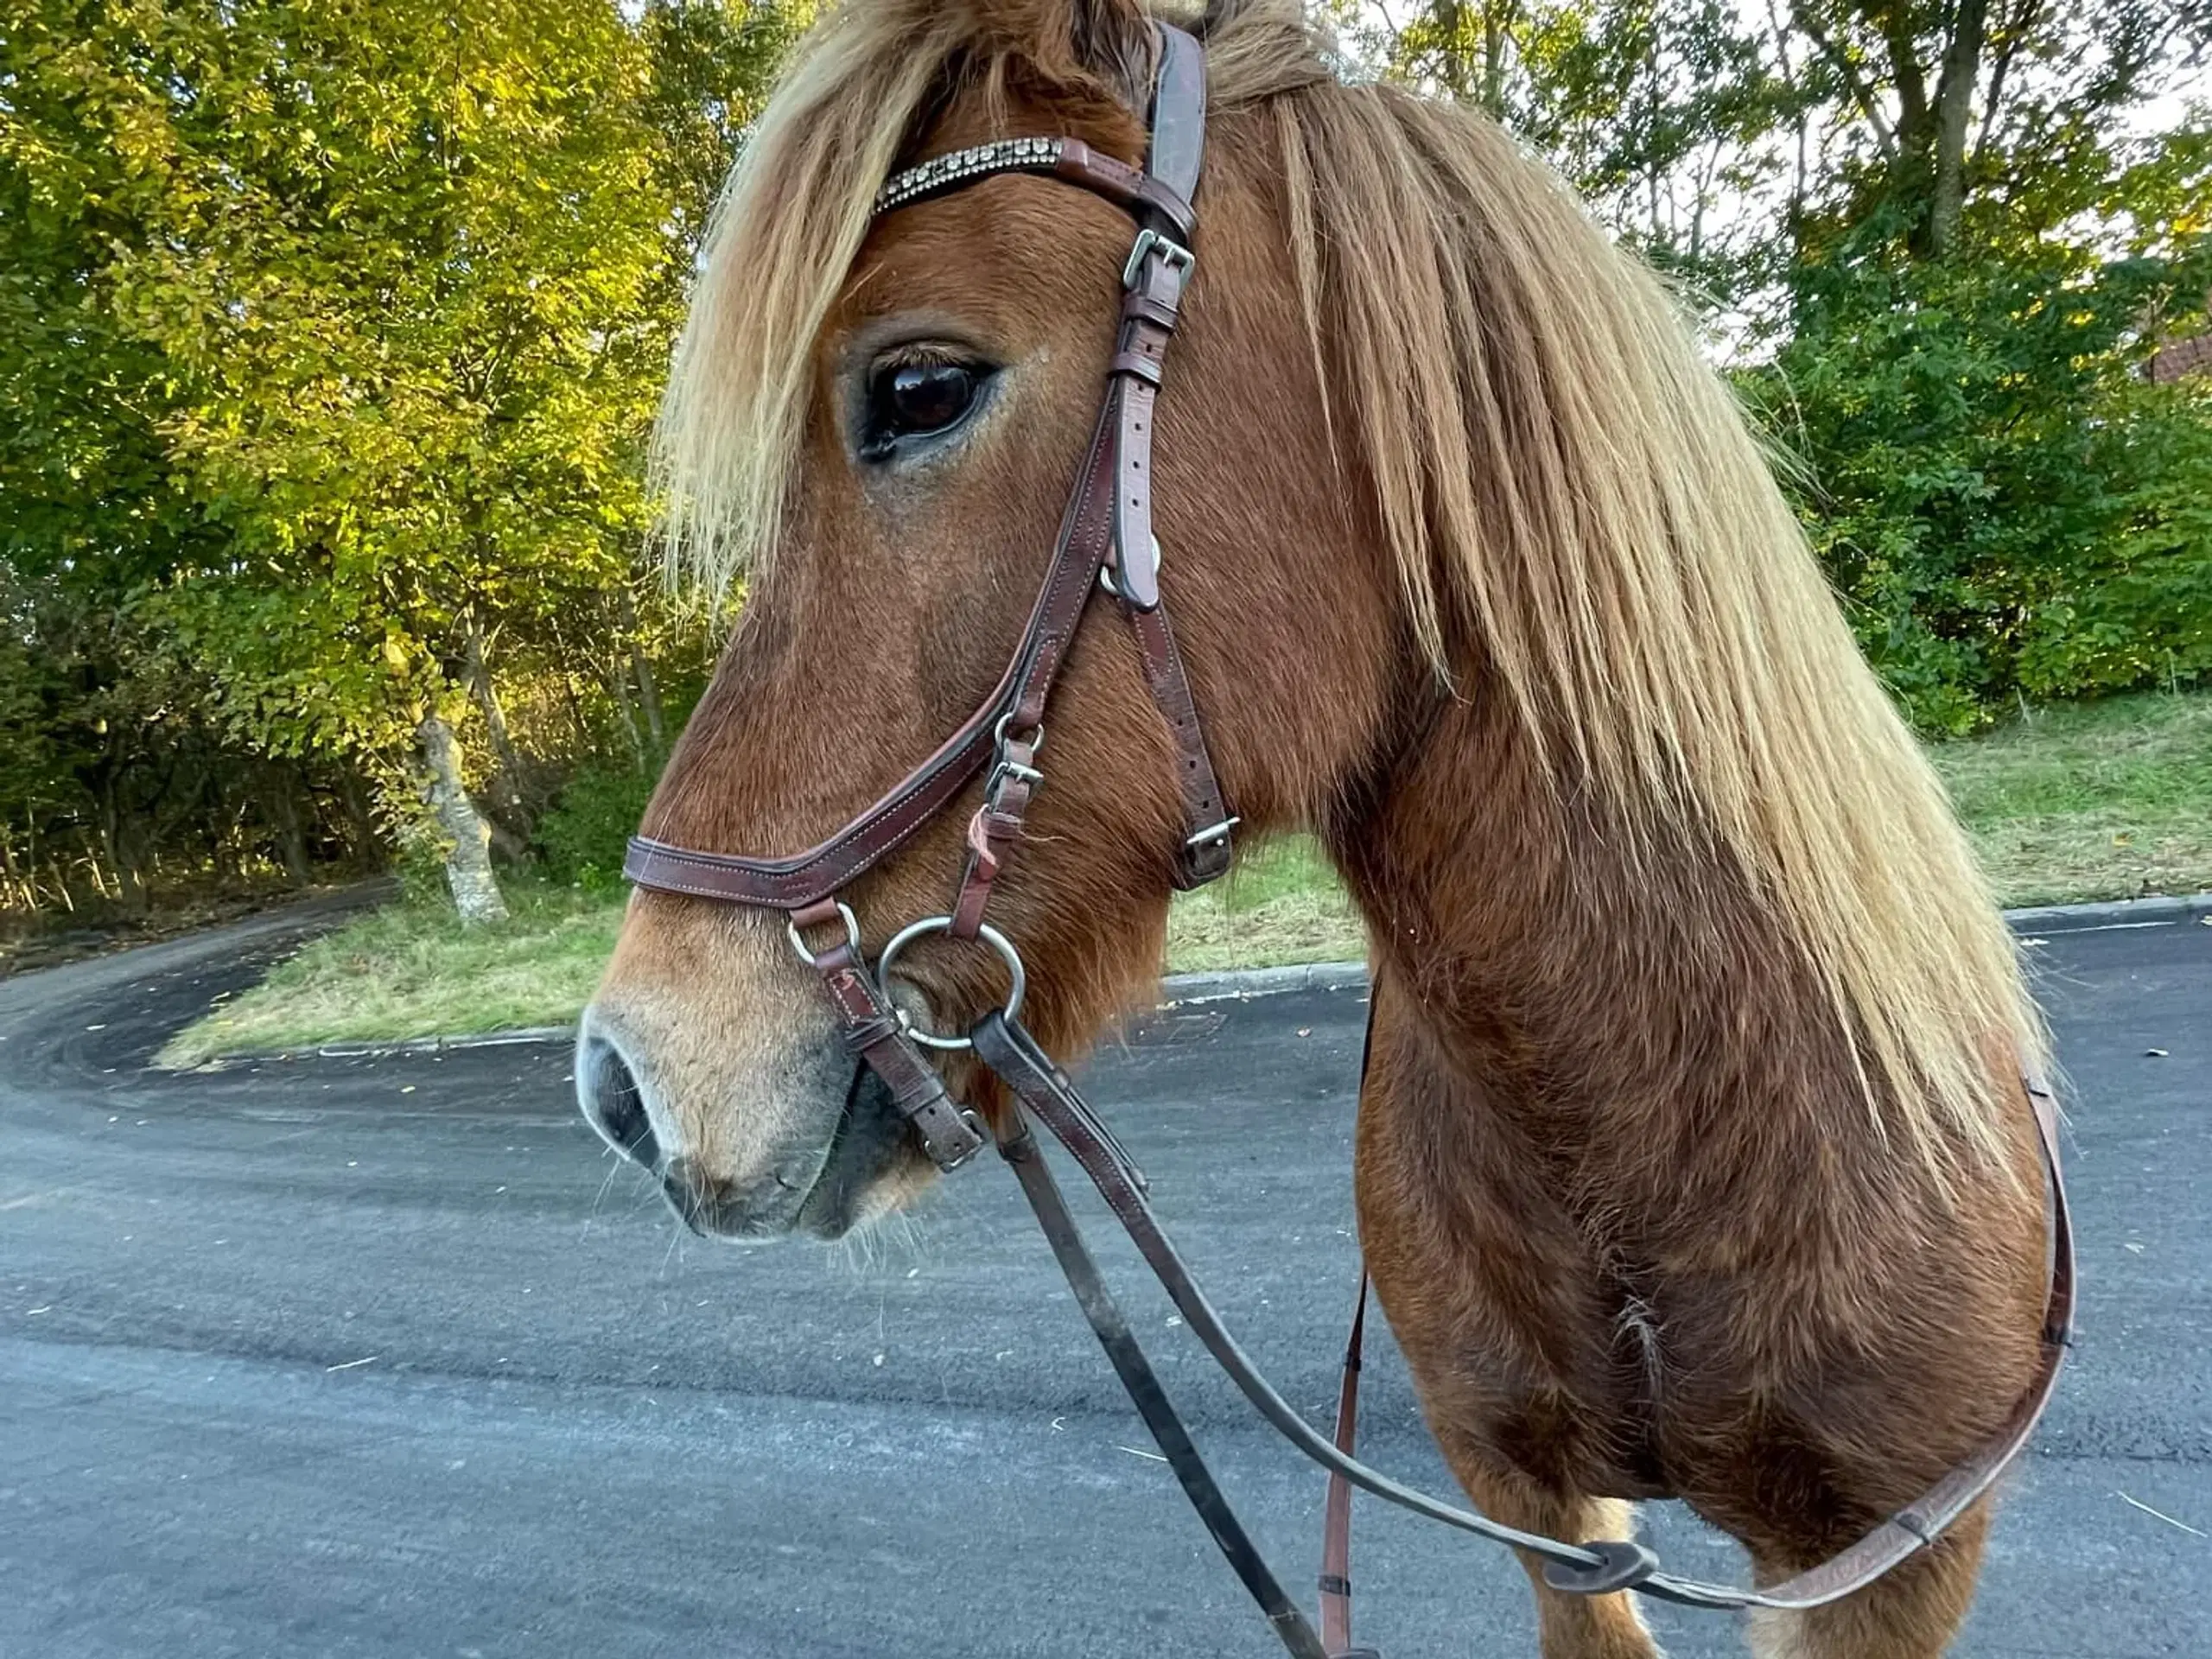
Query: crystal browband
(999, 156)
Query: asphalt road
(383, 1356)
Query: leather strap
(1017, 699)
(1019, 1147)
(1159, 269)
(1136, 193)
(1099, 511)
(1599, 1568)
(1178, 144)
(949, 1134)
(1149, 309)
(1041, 1088)
(1336, 1513)
(994, 829)
(1336, 1509)
(1917, 1525)
(1207, 820)
(1070, 159)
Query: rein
(1106, 542)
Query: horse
(1693, 1160)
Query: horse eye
(913, 399)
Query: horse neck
(1573, 968)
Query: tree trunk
(506, 764)
(1494, 61)
(619, 684)
(364, 846)
(285, 788)
(1953, 103)
(468, 855)
(648, 687)
(120, 838)
(20, 892)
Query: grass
(411, 970)
(2103, 800)
(1280, 904)
(2092, 800)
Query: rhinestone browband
(999, 156)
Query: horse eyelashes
(907, 400)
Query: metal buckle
(972, 1121)
(852, 935)
(1212, 833)
(907, 934)
(1006, 769)
(1036, 742)
(1171, 251)
(1112, 584)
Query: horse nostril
(613, 1102)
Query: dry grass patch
(2102, 800)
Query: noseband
(1106, 545)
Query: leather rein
(1105, 542)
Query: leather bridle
(1106, 543)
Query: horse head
(883, 440)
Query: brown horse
(1691, 1159)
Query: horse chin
(872, 1168)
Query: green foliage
(329, 338)
(2007, 507)
(1661, 113)
(581, 839)
(1940, 237)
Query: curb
(515, 1036)
(1241, 984)
(2112, 912)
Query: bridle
(1105, 541)
(1106, 544)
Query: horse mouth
(872, 1162)
(868, 1165)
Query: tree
(334, 336)
(1953, 96)
(1939, 238)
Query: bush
(2007, 508)
(580, 838)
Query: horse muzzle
(795, 1138)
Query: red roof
(2183, 357)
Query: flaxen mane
(1559, 474)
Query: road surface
(383, 1356)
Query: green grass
(410, 970)
(2101, 800)
(1280, 904)
(2096, 800)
